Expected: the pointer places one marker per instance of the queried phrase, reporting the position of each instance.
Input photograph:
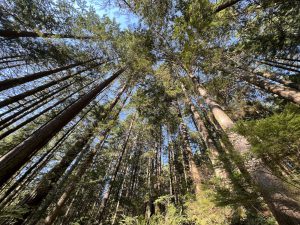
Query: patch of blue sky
(124, 18)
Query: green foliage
(277, 135)
(275, 139)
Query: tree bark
(9, 83)
(204, 133)
(274, 77)
(284, 207)
(13, 160)
(195, 175)
(287, 93)
(64, 197)
(50, 179)
(280, 66)
(18, 34)
(225, 5)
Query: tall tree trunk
(119, 196)
(18, 34)
(22, 124)
(282, 91)
(9, 83)
(38, 164)
(194, 172)
(282, 63)
(64, 197)
(82, 167)
(274, 77)
(33, 91)
(50, 179)
(14, 159)
(25, 108)
(204, 133)
(225, 5)
(279, 199)
(281, 66)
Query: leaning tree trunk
(64, 197)
(18, 156)
(18, 34)
(225, 5)
(47, 183)
(9, 83)
(279, 199)
(285, 82)
(33, 91)
(287, 93)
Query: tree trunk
(25, 108)
(9, 83)
(204, 133)
(22, 124)
(50, 179)
(64, 197)
(18, 34)
(225, 5)
(33, 91)
(281, 202)
(13, 160)
(283, 63)
(274, 77)
(194, 172)
(282, 91)
(281, 67)
(38, 164)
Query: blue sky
(124, 18)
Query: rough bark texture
(276, 78)
(204, 133)
(288, 93)
(280, 200)
(14, 159)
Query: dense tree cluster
(190, 117)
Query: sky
(124, 19)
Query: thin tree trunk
(64, 197)
(281, 202)
(282, 81)
(119, 197)
(195, 175)
(84, 165)
(225, 5)
(13, 116)
(204, 133)
(39, 163)
(280, 67)
(33, 91)
(22, 124)
(9, 83)
(283, 63)
(11, 57)
(11, 61)
(282, 91)
(13, 160)
(18, 34)
(50, 179)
